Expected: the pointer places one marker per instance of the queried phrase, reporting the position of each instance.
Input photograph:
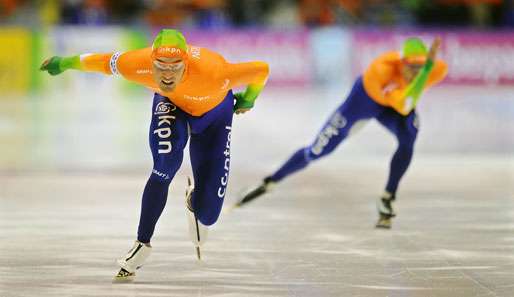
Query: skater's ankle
(145, 243)
(388, 195)
(268, 180)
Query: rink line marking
(452, 268)
(466, 275)
(445, 258)
(392, 288)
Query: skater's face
(410, 70)
(168, 72)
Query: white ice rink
(73, 167)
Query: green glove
(57, 65)
(241, 102)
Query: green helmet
(169, 42)
(414, 47)
(170, 37)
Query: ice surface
(73, 167)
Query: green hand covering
(247, 99)
(57, 65)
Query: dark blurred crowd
(270, 13)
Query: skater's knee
(406, 141)
(207, 209)
(164, 169)
(208, 218)
(406, 145)
(160, 176)
(404, 151)
(408, 137)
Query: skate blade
(124, 276)
(198, 254)
(231, 208)
(383, 224)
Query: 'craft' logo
(160, 174)
(164, 107)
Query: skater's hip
(197, 105)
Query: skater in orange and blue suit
(388, 91)
(193, 101)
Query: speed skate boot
(263, 188)
(197, 231)
(385, 210)
(134, 259)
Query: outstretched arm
(254, 75)
(86, 62)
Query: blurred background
(315, 48)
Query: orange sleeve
(127, 64)
(376, 77)
(251, 73)
(135, 66)
(96, 63)
(438, 73)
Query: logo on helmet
(166, 50)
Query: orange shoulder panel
(379, 74)
(136, 66)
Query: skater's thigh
(355, 111)
(210, 160)
(358, 105)
(405, 128)
(168, 136)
